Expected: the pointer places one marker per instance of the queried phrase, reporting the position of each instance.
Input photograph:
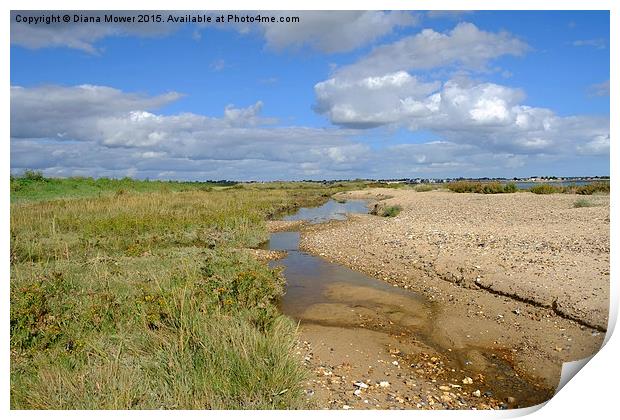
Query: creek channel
(320, 293)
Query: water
(332, 210)
(328, 294)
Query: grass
(32, 186)
(147, 300)
(582, 202)
(482, 187)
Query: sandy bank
(537, 248)
(523, 272)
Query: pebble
(346, 407)
(445, 388)
(357, 392)
(384, 384)
(476, 393)
(361, 384)
(467, 380)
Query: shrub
(481, 187)
(511, 187)
(389, 211)
(424, 188)
(33, 175)
(595, 187)
(582, 202)
(546, 189)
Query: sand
(523, 275)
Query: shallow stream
(328, 294)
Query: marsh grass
(143, 300)
(33, 186)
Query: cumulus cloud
(334, 31)
(462, 111)
(59, 111)
(465, 45)
(382, 89)
(105, 129)
(372, 101)
(101, 131)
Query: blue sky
(338, 95)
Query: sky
(337, 95)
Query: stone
(384, 384)
(360, 384)
(467, 380)
(476, 393)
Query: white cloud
(465, 45)
(462, 111)
(107, 132)
(371, 101)
(599, 43)
(334, 31)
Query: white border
(592, 393)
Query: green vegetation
(426, 187)
(582, 202)
(546, 189)
(33, 186)
(482, 187)
(386, 211)
(588, 189)
(147, 299)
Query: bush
(482, 187)
(582, 202)
(546, 189)
(424, 188)
(33, 175)
(595, 187)
(390, 211)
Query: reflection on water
(332, 210)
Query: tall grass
(145, 300)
